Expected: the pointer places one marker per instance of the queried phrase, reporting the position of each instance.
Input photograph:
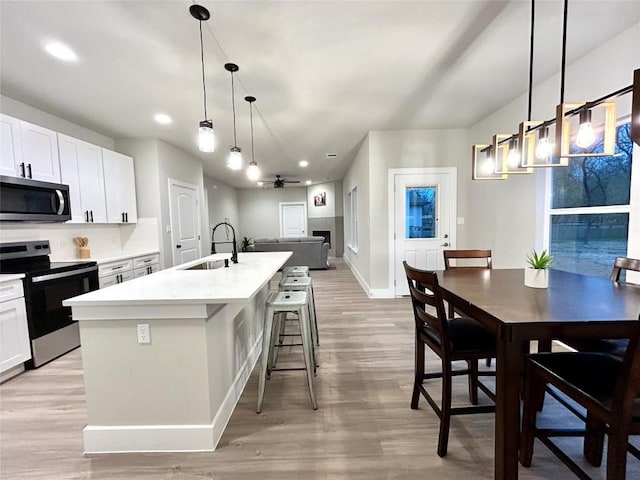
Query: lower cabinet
(14, 341)
(120, 271)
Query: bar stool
(283, 303)
(297, 284)
(295, 271)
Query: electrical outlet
(144, 333)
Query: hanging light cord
(204, 86)
(531, 43)
(251, 116)
(564, 49)
(233, 106)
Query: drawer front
(148, 270)
(114, 279)
(146, 260)
(11, 290)
(115, 267)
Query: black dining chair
(605, 385)
(451, 339)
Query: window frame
(632, 209)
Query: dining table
(573, 306)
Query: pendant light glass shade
(571, 127)
(586, 135)
(234, 161)
(206, 141)
(505, 161)
(253, 172)
(544, 148)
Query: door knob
(445, 244)
(178, 246)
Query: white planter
(536, 277)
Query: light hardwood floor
(363, 428)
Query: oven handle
(54, 276)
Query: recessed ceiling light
(61, 51)
(303, 163)
(260, 184)
(308, 182)
(163, 118)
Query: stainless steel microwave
(26, 200)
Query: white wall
(260, 209)
(222, 200)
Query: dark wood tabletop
(573, 306)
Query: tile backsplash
(104, 240)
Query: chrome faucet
(234, 254)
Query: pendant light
(253, 172)
(206, 141)
(235, 153)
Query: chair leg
(594, 440)
(473, 381)
(617, 452)
(418, 372)
(445, 419)
(307, 347)
(266, 343)
(533, 390)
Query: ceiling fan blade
(291, 181)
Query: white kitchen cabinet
(28, 150)
(120, 187)
(146, 265)
(15, 348)
(10, 146)
(119, 271)
(39, 153)
(81, 169)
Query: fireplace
(323, 233)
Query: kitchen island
(204, 332)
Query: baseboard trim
(172, 438)
(359, 278)
(382, 293)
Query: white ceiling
(324, 72)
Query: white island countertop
(10, 277)
(178, 285)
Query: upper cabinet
(120, 187)
(28, 151)
(81, 169)
(10, 146)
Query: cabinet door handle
(126, 217)
(29, 169)
(24, 175)
(86, 215)
(91, 216)
(122, 217)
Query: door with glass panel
(423, 222)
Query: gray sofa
(310, 251)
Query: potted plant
(536, 275)
(246, 241)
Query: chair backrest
(624, 263)
(469, 254)
(425, 290)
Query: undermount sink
(208, 265)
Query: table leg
(508, 375)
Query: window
(420, 214)
(352, 202)
(588, 213)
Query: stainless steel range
(46, 286)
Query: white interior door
(293, 219)
(424, 222)
(185, 221)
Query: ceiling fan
(279, 182)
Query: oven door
(46, 293)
